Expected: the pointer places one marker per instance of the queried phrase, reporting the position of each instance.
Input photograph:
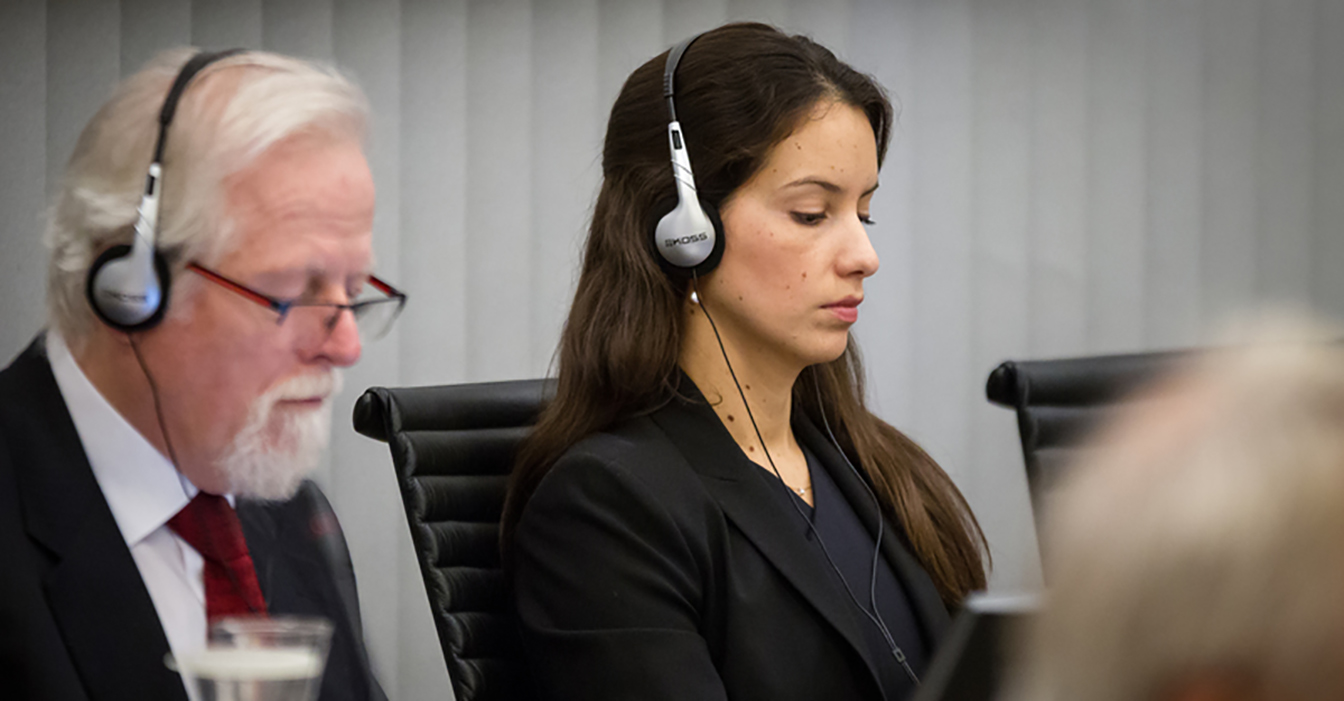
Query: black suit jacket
(76, 621)
(654, 562)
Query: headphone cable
(896, 650)
(877, 546)
(172, 457)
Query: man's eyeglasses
(373, 316)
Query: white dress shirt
(143, 490)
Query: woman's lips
(846, 310)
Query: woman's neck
(765, 381)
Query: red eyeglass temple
(244, 291)
(383, 286)
(267, 302)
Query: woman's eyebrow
(819, 182)
(826, 185)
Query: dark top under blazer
(76, 621)
(653, 562)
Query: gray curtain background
(1068, 177)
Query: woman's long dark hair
(741, 89)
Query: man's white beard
(277, 449)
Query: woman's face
(796, 250)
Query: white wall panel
(939, 103)
(1285, 151)
(1003, 226)
(882, 44)
(224, 24)
(1117, 175)
(1328, 146)
(682, 18)
(629, 32)
(23, 172)
(567, 130)
(1059, 166)
(826, 22)
(776, 12)
(499, 189)
(83, 60)
(432, 198)
(1230, 203)
(299, 28)
(1175, 171)
(150, 26)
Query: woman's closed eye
(808, 218)
(815, 218)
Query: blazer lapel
(743, 491)
(924, 597)
(287, 570)
(106, 617)
(259, 532)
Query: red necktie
(210, 526)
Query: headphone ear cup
(715, 255)
(678, 272)
(121, 252)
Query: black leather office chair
(1059, 401)
(453, 447)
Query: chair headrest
(1078, 381)
(382, 412)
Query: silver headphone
(689, 238)
(128, 285)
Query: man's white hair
(1206, 543)
(232, 112)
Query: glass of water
(258, 659)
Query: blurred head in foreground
(1200, 555)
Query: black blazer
(76, 621)
(654, 562)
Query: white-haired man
(1200, 555)
(154, 441)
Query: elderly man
(1200, 555)
(154, 441)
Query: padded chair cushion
(453, 447)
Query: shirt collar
(141, 486)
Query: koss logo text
(668, 243)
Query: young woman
(706, 510)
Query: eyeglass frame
(281, 307)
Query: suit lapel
(106, 617)
(924, 598)
(743, 491)
(298, 577)
(287, 571)
(259, 532)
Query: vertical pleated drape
(1067, 177)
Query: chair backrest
(453, 447)
(1058, 402)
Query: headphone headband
(670, 72)
(687, 234)
(189, 70)
(127, 286)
